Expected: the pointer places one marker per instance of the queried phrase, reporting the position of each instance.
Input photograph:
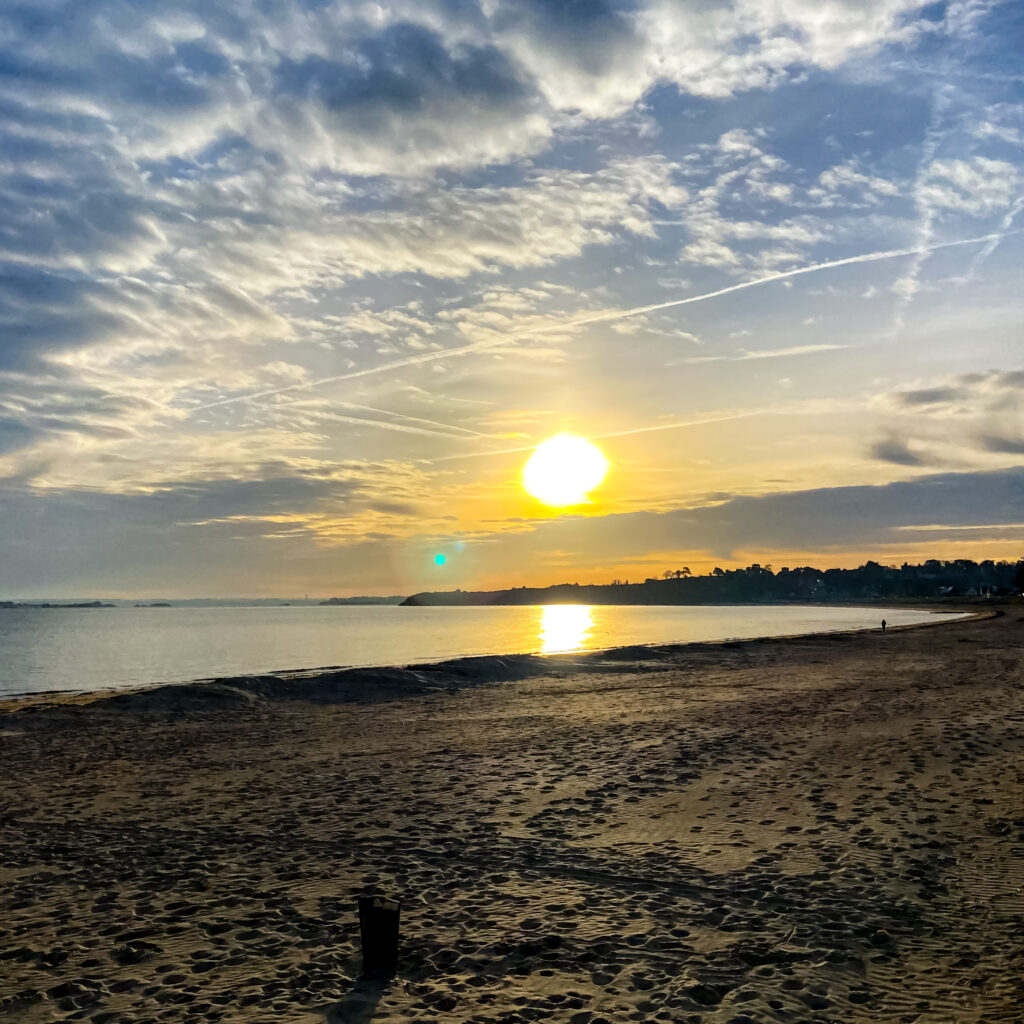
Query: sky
(290, 289)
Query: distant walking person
(883, 625)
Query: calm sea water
(88, 649)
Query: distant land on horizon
(757, 584)
(196, 602)
(56, 604)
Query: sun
(563, 470)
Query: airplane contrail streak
(990, 246)
(418, 419)
(673, 425)
(606, 317)
(402, 428)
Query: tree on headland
(1018, 579)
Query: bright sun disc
(563, 470)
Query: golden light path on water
(564, 627)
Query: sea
(83, 649)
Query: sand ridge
(814, 829)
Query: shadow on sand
(359, 1004)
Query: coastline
(816, 828)
(360, 683)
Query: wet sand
(814, 829)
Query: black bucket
(378, 930)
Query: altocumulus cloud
(354, 80)
(127, 128)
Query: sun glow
(564, 627)
(563, 470)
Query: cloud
(186, 537)
(990, 391)
(970, 416)
(845, 186)
(69, 200)
(54, 316)
(930, 396)
(710, 253)
(405, 87)
(976, 187)
(718, 50)
(56, 407)
(592, 58)
(1003, 445)
(15, 435)
(896, 452)
(309, 236)
(463, 231)
(402, 101)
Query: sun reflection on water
(564, 628)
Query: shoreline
(816, 828)
(383, 682)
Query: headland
(930, 581)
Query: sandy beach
(809, 830)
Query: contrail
(678, 424)
(596, 318)
(673, 425)
(990, 246)
(406, 425)
(925, 209)
(699, 421)
(402, 428)
(417, 419)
